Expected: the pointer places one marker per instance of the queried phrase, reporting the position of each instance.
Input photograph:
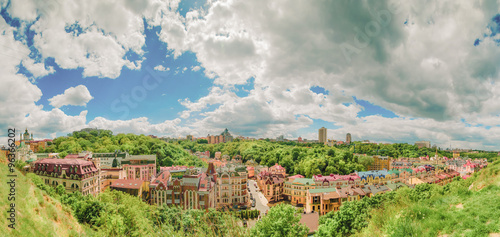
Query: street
(260, 201)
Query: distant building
(380, 163)
(281, 138)
(348, 139)
(401, 164)
(189, 137)
(322, 135)
(225, 136)
(299, 140)
(426, 144)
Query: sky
(384, 71)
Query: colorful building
(374, 177)
(75, 175)
(271, 182)
(380, 163)
(335, 180)
(231, 185)
(195, 190)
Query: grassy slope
(37, 214)
(458, 213)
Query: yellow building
(296, 190)
(380, 163)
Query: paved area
(260, 202)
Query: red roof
(63, 161)
(127, 183)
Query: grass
(470, 208)
(37, 214)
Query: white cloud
(283, 46)
(195, 68)
(161, 68)
(95, 35)
(78, 96)
(141, 126)
(18, 95)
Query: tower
(348, 138)
(322, 135)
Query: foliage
(19, 164)
(281, 220)
(103, 141)
(351, 217)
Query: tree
(202, 141)
(281, 220)
(115, 163)
(60, 190)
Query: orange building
(271, 182)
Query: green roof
(322, 190)
(394, 172)
(394, 186)
(303, 181)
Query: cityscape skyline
(178, 68)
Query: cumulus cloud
(141, 126)
(161, 68)
(78, 96)
(18, 95)
(376, 51)
(195, 68)
(101, 37)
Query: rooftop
(127, 183)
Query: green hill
(37, 214)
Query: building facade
(271, 182)
(231, 185)
(322, 133)
(75, 175)
(195, 190)
(348, 139)
(380, 163)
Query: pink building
(140, 172)
(336, 180)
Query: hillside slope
(464, 208)
(37, 214)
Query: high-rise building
(348, 138)
(322, 135)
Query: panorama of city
(239, 118)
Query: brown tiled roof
(127, 183)
(64, 161)
(311, 220)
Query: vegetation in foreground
(37, 213)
